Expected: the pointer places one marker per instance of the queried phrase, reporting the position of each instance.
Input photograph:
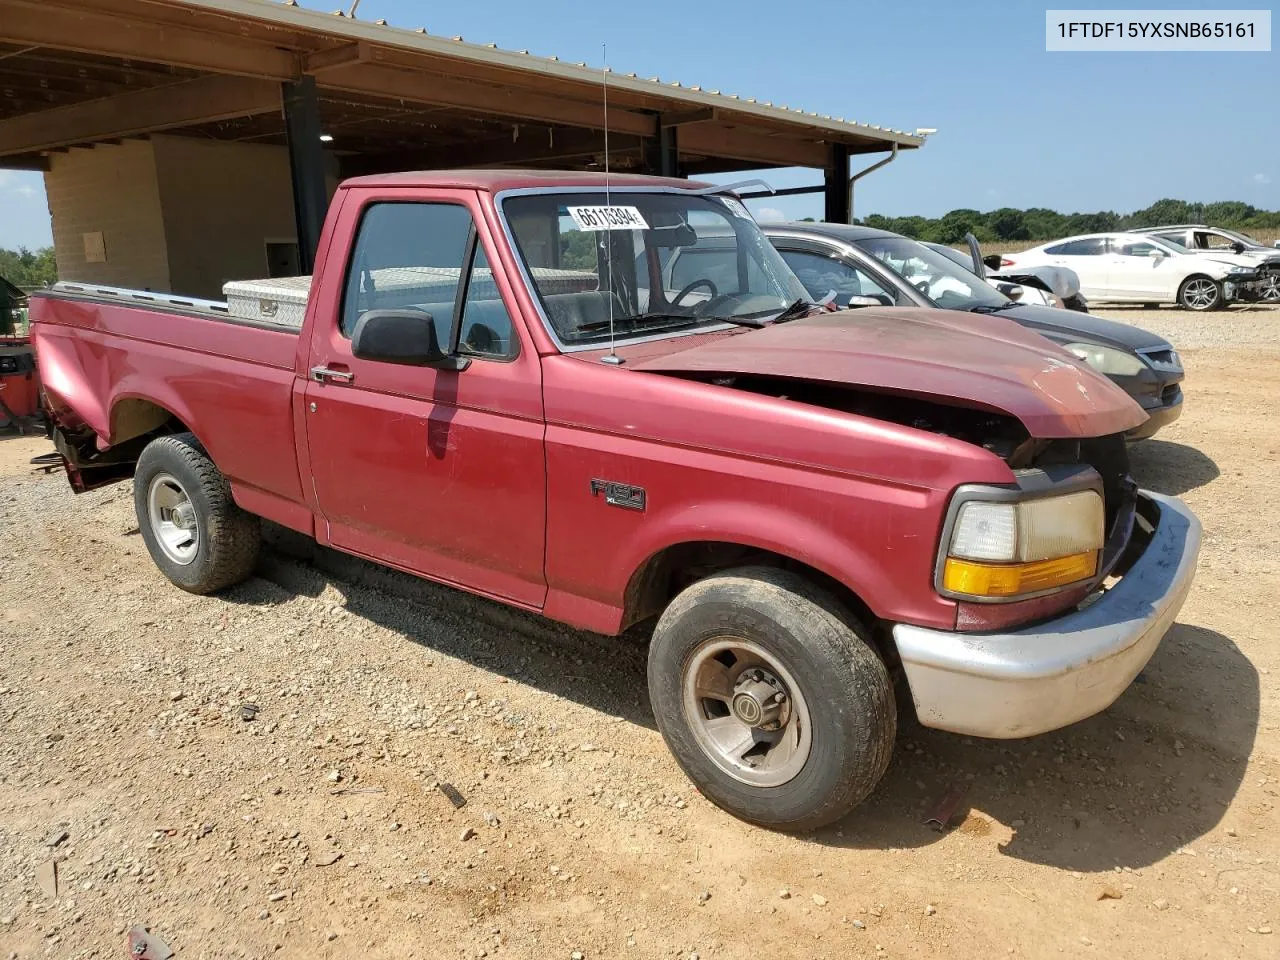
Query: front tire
(1200, 293)
(771, 698)
(1269, 288)
(193, 529)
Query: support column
(668, 151)
(836, 207)
(660, 152)
(306, 166)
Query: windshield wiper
(992, 308)
(795, 311)
(645, 320)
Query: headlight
(1004, 551)
(1240, 270)
(1113, 363)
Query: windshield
(648, 263)
(947, 284)
(1242, 237)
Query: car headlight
(1010, 550)
(1239, 270)
(1106, 360)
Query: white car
(1238, 247)
(1131, 268)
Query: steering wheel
(700, 282)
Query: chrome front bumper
(1017, 684)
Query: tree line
(1038, 223)
(28, 268)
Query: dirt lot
(316, 830)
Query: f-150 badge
(619, 494)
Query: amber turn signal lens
(1014, 579)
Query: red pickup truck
(505, 381)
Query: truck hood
(976, 361)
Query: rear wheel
(1200, 293)
(771, 698)
(193, 529)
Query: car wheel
(193, 529)
(1269, 287)
(1200, 293)
(771, 698)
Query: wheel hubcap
(172, 517)
(1201, 294)
(1271, 287)
(747, 712)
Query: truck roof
(494, 181)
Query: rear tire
(193, 529)
(721, 654)
(1200, 293)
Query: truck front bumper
(1025, 682)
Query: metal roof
(290, 15)
(495, 181)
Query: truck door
(439, 472)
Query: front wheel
(193, 529)
(1269, 287)
(1200, 293)
(771, 698)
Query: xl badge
(619, 494)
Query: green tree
(1008, 224)
(28, 268)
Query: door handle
(323, 374)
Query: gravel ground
(256, 774)
(1242, 325)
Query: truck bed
(228, 380)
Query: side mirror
(406, 337)
(1013, 291)
(855, 301)
(1238, 247)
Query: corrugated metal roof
(289, 15)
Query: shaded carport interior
(349, 97)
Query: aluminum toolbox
(282, 300)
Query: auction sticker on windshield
(608, 218)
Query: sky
(1017, 126)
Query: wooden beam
(203, 100)
(536, 145)
(687, 116)
(343, 56)
(44, 25)
(36, 162)
(384, 81)
(744, 143)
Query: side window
(407, 255)
(1079, 248)
(486, 325)
(822, 275)
(1212, 241)
(1130, 248)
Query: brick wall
(221, 203)
(110, 190)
